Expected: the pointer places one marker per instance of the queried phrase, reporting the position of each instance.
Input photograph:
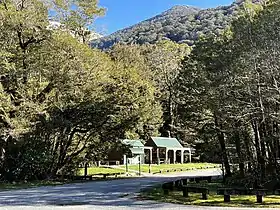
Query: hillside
(182, 24)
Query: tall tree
(164, 60)
(58, 96)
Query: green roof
(133, 143)
(137, 151)
(136, 146)
(166, 142)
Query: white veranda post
(190, 155)
(182, 156)
(174, 156)
(158, 156)
(151, 155)
(166, 155)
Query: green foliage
(182, 24)
(230, 90)
(61, 102)
(159, 63)
(75, 14)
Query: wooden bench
(203, 190)
(235, 191)
(167, 170)
(227, 192)
(196, 179)
(88, 177)
(105, 175)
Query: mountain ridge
(181, 24)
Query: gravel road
(101, 195)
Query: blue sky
(123, 13)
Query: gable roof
(133, 143)
(166, 142)
(136, 146)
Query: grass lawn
(100, 170)
(157, 168)
(270, 201)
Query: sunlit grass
(271, 201)
(100, 170)
(171, 167)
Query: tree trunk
(255, 126)
(238, 149)
(249, 155)
(263, 150)
(221, 138)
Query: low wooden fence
(185, 186)
(185, 169)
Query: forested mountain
(182, 24)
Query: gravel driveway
(101, 195)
